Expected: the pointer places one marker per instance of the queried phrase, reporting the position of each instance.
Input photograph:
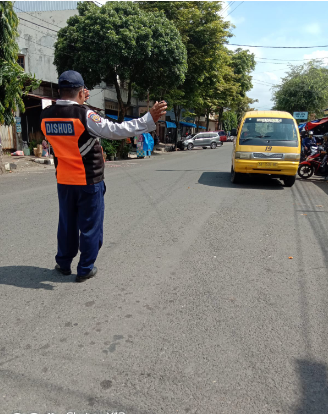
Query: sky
(277, 23)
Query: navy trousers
(81, 218)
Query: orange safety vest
(78, 155)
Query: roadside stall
(319, 127)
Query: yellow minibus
(267, 142)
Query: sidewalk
(24, 163)
(27, 163)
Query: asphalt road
(197, 307)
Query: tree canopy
(229, 120)
(304, 88)
(242, 64)
(13, 79)
(119, 44)
(217, 78)
(203, 32)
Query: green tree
(225, 87)
(203, 32)
(304, 88)
(14, 82)
(243, 63)
(237, 82)
(243, 105)
(121, 44)
(229, 120)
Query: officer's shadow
(30, 277)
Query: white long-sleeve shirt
(99, 127)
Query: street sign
(18, 119)
(18, 128)
(300, 115)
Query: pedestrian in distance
(73, 130)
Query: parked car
(180, 142)
(204, 140)
(223, 135)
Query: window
(261, 131)
(21, 61)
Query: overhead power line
(39, 25)
(273, 63)
(47, 47)
(269, 85)
(35, 17)
(278, 61)
(278, 70)
(277, 47)
(235, 8)
(40, 31)
(226, 43)
(39, 44)
(281, 63)
(292, 60)
(298, 89)
(260, 80)
(227, 6)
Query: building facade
(39, 22)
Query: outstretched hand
(158, 110)
(87, 94)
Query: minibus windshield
(273, 131)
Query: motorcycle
(315, 163)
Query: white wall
(97, 99)
(37, 43)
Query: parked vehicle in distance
(223, 135)
(180, 142)
(204, 140)
(233, 135)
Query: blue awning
(188, 124)
(201, 127)
(170, 125)
(116, 117)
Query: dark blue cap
(70, 79)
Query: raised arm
(103, 128)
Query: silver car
(204, 140)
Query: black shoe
(83, 278)
(62, 271)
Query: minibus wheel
(236, 178)
(289, 180)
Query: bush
(110, 147)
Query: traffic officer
(73, 130)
